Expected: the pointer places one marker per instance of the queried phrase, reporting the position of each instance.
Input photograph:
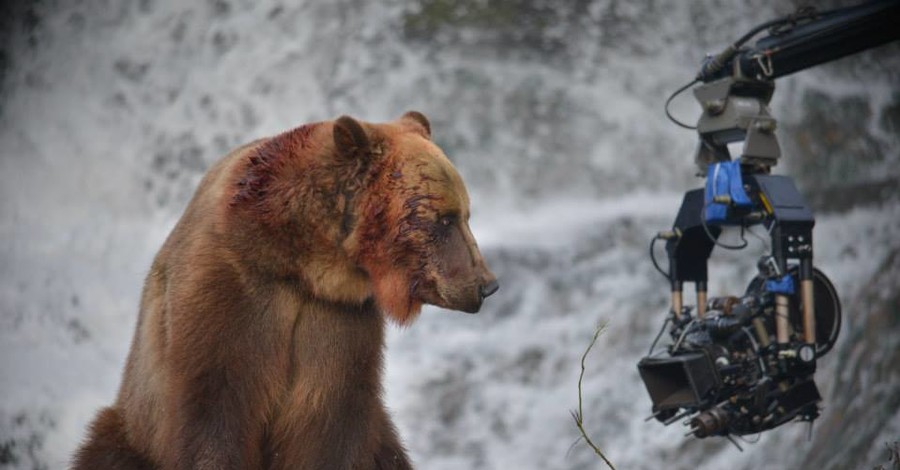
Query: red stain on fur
(268, 160)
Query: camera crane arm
(806, 39)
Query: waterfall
(110, 112)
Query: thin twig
(579, 415)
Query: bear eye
(446, 220)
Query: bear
(260, 334)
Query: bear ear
(349, 137)
(420, 120)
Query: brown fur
(261, 328)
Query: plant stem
(579, 415)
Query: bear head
(412, 234)
(368, 211)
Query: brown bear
(261, 328)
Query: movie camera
(744, 364)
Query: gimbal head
(736, 109)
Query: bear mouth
(467, 299)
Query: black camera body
(726, 372)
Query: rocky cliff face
(111, 111)
(862, 425)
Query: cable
(762, 240)
(719, 61)
(717, 242)
(768, 24)
(748, 441)
(802, 13)
(683, 334)
(672, 96)
(653, 259)
(659, 335)
(714, 64)
(762, 365)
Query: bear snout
(489, 288)
(483, 290)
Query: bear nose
(489, 288)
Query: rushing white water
(110, 112)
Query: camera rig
(744, 364)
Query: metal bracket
(736, 109)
